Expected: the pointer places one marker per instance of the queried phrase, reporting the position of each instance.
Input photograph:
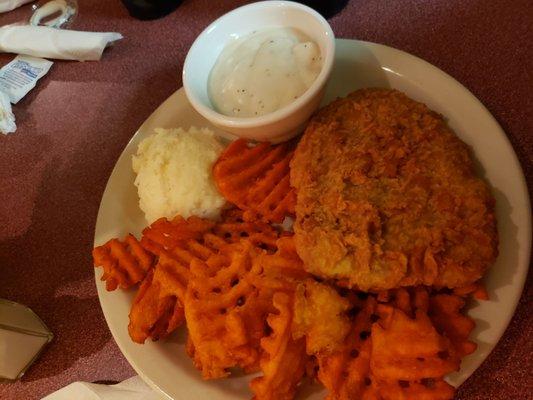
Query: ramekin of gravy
(260, 71)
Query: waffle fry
(223, 312)
(157, 309)
(476, 290)
(228, 300)
(280, 271)
(403, 390)
(125, 263)
(445, 313)
(256, 179)
(345, 372)
(407, 300)
(406, 349)
(166, 235)
(234, 228)
(284, 360)
(444, 310)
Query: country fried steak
(387, 196)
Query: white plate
(164, 364)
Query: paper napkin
(7, 118)
(46, 42)
(8, 5)
(130, 389)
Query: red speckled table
(74, 125)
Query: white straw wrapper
(43, 41)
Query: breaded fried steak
(387, 197)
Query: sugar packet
(20, 76)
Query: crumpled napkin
(130, 389)
(8, 5)
(7, 118)
(46, 42)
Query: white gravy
(261, 72)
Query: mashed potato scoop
(173, 168)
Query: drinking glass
(54, 13)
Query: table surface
(73, 126)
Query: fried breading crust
(388, 197)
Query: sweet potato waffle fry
(476, 290)
(223, 313)
(445, 313)
(345, 372)
(157, 309)
(283, 360)
(428, 390)
(279, 271)
(256, 178)
(234, 228)
(167, 235)
(228, 300)
(443, 309)
(407, 349)
(409, 359)
(125, 263)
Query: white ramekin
(281, 124)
